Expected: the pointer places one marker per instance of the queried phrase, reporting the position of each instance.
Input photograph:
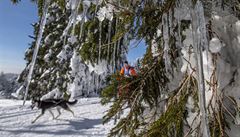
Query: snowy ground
(15, 121)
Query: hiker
(128, 72)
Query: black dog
(52, 103)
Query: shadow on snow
(74, 128)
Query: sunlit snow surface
(16, 120)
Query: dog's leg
(59, 113)
(51, 113)
(68, 109)
(38, 116)
(65, 107)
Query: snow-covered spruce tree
(72, 58)
(49, 71)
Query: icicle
(116, 44)
(170, 22)
(100, 41)
(72, 18)
(114, 55)
(94, 82)
(83, 21)
(97, 81)
(97, 4)
(88, 86)
(178, 35)
(109, 38)
(116, 47)
(37, 46)
(199, 41)
(166, 43)
(114, 50)
(119, 54)
(100, 83)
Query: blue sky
(136, 50)
(15, 27)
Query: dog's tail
(72, 103)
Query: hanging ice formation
(103, 13)
(100, 42)
(86, 74)
(82, 21)
(199, 41)
(166, 57)
(109, 39)
(74, 5)
(38, 42)
(114, 51)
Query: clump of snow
(215, 45)
(154, 48)
(50, 18)
(48, 39)
(81, 17)
(45, 73)
(47, 56)
(105, 12)
(238, 26)
(159, 32)
(64, 54)
(19, 93)
(54, 94)
(73, 4)
(99, 68)
(72, 39)
(217, 17)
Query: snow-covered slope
(16, 120)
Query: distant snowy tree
(8, 84)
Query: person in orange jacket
(127, 71)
